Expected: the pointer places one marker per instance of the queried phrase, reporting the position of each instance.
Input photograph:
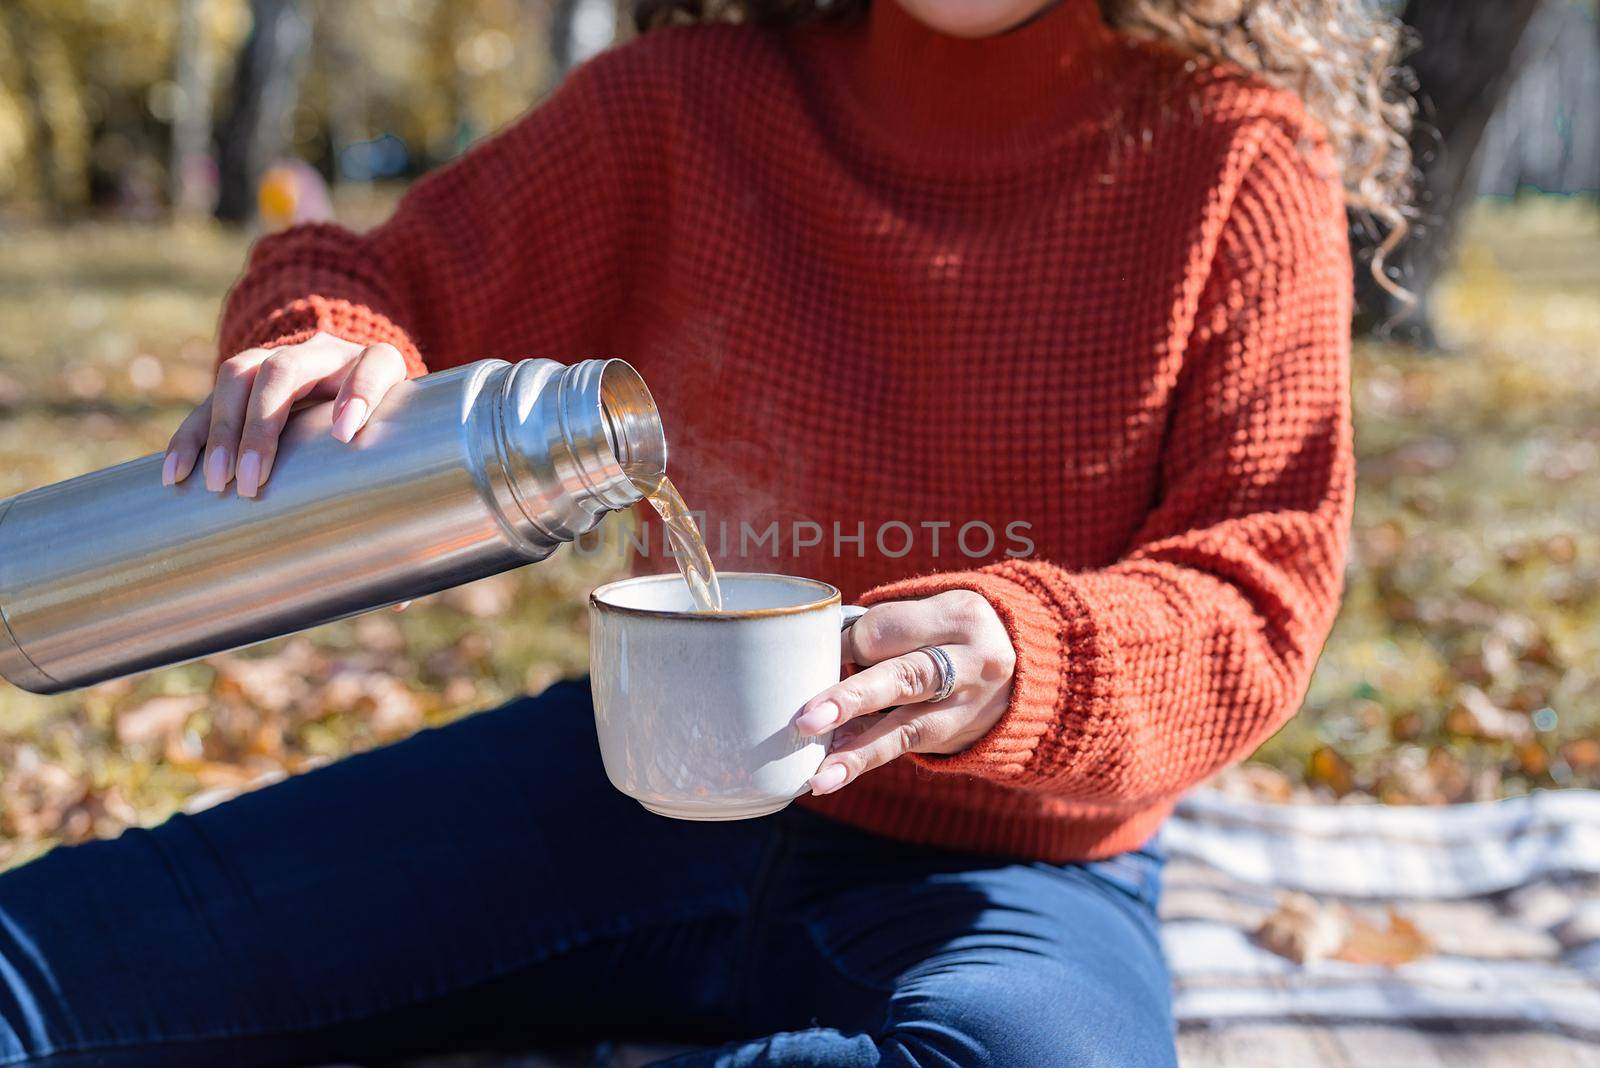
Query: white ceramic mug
(695, 710)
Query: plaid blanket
(1507, 892)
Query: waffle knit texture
(888, 286)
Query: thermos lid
(576, 442)
(631, 421)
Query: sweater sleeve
(515, 244)
(1136, 680)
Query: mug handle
(851, 613)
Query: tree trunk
(59, 135)
(190, 187)
(1468, 58)
(39, 136)
(580, 29)
(266, 84)
(1546, 135)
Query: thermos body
(458, 475)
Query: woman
(928, 263)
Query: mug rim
(832, 596)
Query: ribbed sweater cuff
(297, 320)
(1052, 686)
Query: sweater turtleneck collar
(940, 91)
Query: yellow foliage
(88, 84)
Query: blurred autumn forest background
(143, 144)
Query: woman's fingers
(284, 377)
(894, 628)
(183, 449)
(900, 680)
(376, 371)
(229, 399)
(916, 728)
(238, 427)
(887, 638)
(903, 679)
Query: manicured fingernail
(217, 470)
(828, 778)
(819, 719)
(169, 470)
(349, 419)
(249, 478)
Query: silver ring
(947, 671)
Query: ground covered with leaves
(1463, 665)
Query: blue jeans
(482, 886)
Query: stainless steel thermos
(458, 475)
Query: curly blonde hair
(1341, 57)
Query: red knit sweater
(879, 277)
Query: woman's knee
(1028, 1016)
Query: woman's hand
(239, 424)
(899, 680)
